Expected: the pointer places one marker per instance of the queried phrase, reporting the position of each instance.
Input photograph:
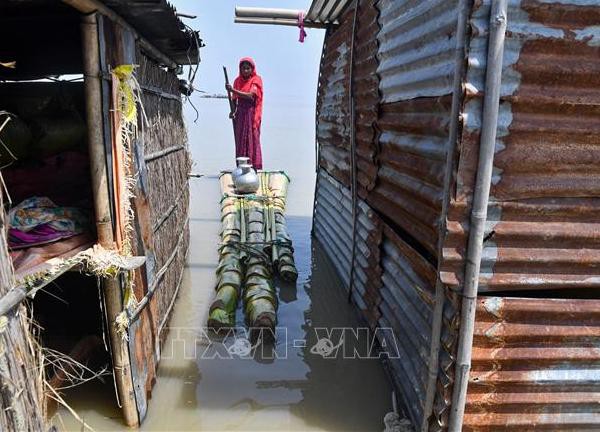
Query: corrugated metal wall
(542, 220)
(333, 124)
(407, 300)
(542, 233)
(333, 227)
(416, 66)
(535, 365)
(402, 120)
(366, 96)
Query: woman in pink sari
(247, 92)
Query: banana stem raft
(255, 246)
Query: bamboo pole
(259, 296)
(278, 186)
(481, 196)
(112, 288)
(232, 104)
(229, 270)
(460, 55)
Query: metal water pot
(247, 182)
(242, 160)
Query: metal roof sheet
(326, 11)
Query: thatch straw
(163, 163)
(21, 375)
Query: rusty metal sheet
(542, 230)
(416, 48)
(416, 45)
(333, 228)
(536, 364)
(407, 307)
(333, 116)
(413, 142)
(366, 94)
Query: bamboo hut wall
(160, 166)
(167, 164)
(21, 381)
(117, 47)
(161, 205)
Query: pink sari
(249, 116)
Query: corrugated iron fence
(536, 349)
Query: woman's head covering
(254, 85)
(249, 61)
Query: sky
(289, 70)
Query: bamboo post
(112, 288)
(481, 196)
(460, 54)
(232, 106)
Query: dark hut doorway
(45, 165)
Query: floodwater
(294, 386)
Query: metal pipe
(254, 12)
(460, 61)
(481, 195)
(91, 6)
(279, 21)
(112, 288)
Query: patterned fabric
(38, 220)
(247, 137)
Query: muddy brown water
(293, 386)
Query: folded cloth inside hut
(40, 258)
(37, 220)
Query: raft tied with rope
(255, 246)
